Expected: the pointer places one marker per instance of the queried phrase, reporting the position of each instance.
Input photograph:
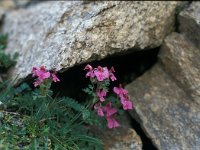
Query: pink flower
(101, 94)
(110, 112)
(97, 107)
(90, 73)
(126, 103)
(101, 73)
(120, 91)
(112, 76)
(42, 74)
(112, 123)
(37, 83)
(54, 76)
(100, 112)
(123, 94)
(34, 71)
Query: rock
(21, 3)
(181, 60)
(7, 4)
(166, 97)
(63, 34)
(1, 14)
(119, 139)
(190, 22)
(165, 112)
(122, 138)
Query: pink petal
(127, 105)
(105, 73)
(43, 75)
(116, 90)
(112, 123)
(100, 112)
(101, 95)
(37, 83)
(107, 107)
(90, 74)
(112, 77)
(120, 91)
(34, 71)
(97, 105)
(111, 111)
(88, 67)
(99, 75)
(55, 78)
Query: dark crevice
(180, 8)
(147, 143)
(128, 67)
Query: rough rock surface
(121, 139)
(190, 22)
(181, 59)
(62, 34)
(1, 14)
(167, 97)
(7, 4)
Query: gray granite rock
(62, 34)
(7, 4)
(165, 112)
(166, 98)
(181, 59)
(190, 22)
(122, 138)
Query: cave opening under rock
(128, 67)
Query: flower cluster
(101, 73)
(42, 74)
(123, 95)
(100, 76)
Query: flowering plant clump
(42, 74)
(105, 106)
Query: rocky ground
(67, 34)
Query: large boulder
(180, 59)
(189, 20)
(62, 34)
(167, 97)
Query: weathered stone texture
(167, 98)
(122, 138)
(190, 22)
(62, 34)
(1, 14)
(165, 112)
(181, 59)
